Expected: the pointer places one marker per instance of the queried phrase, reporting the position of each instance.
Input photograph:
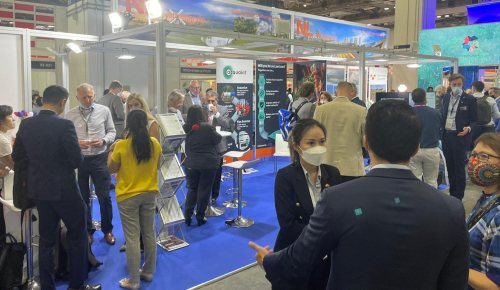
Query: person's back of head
(344, 89)
(477, 86)
(195, 115)
(115, 85)
(354, 91)
(54, 94)
(392, 131)
(137, 128)
(306, 90)
(418, 96)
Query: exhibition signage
(310, 71)
(271, 91)
(235, 90)
(377, 82)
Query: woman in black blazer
(297, 189)
(202, 161)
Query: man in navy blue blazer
(459, 113)
(50, 145)
(386, 230)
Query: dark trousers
(73, 213)
(200, 185)
(455, 152)
(96, 168)
(479, 130)
(217, 181)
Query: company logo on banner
(234, 70)
(235, 90)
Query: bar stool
(240, 221)
(95, 223)
(233, 203)
(28, 219)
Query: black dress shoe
(201, 221)
(88, 287)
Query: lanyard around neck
(482, 211)
(454, 104)
(86, 120)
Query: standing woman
(297, 189)
(484, 220)
(136, 101)
(202, 161)
(6, 123)
(136, 160)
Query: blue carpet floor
(214, 249)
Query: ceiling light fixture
(381, 60)
(74, 47)
(447, 15)
(305, 5)
(402, 88)
(126, 55)
(413, 65)
(154, 9)
(386, 8)
(369, 24)
(208, 61)
(116, 22)
(439, 16)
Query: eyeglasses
(482, 156)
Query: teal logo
(228, 72)
(358, 212)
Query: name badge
(464, 108)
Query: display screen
(484, 13)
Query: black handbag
(11, 263)
(20, 193)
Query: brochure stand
(171, 176)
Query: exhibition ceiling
(375, 12)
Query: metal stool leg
(240, 221)
(235, 201)
(95, 223)
(32, 283)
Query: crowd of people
(339, 228)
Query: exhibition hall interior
(252, 144)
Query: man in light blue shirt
(95, 130)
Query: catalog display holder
(171, 176)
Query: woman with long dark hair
(136, 160)
(202, 161)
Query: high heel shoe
(201, 221)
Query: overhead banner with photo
(213, 14)
(271, 90)
(235, 90)
(310, 71)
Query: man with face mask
(459, 113)
(482, 223)
(95, 130)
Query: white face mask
(314, 155)
(456, 91)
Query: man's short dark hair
(393, 130)
(478, 86)
(418, 96)
(115, 85)
(54, 94)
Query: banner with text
(235, 90)
(271, 92)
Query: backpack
(287, 118)
(483, 111)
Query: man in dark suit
(354, 96)
(459, 113)
(51, 147)
(387, 230)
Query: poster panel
(235, 89)
(377, 82)
(271, 91)
(310, 71)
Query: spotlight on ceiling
(74, 47)
(154, 9)
(386, 8)
(439, 16)
(208, 61)
(126, 55)
(116, 22)
(447, 15)
(402, 88)
(413, 65)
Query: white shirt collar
(391, 166)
